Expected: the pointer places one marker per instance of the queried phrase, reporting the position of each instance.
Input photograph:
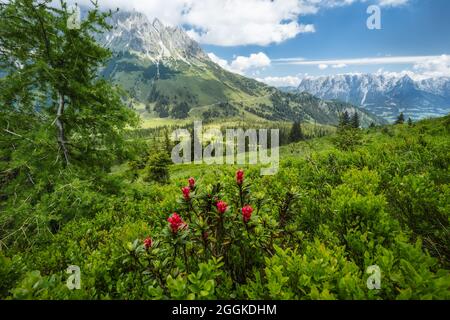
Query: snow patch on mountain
(133, 32)
(384, 94)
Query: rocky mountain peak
(405, 83)
(385, 95)
(157, 24)
(133, 32)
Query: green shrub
(315, 228)
(157, 168)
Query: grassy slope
(205, 85)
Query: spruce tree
(400, 119)
(410, 122)
(355, 123)
(296, 133)
(180, 110)
(168, 145)
(157, 169)
(344, 120)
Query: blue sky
(418, 28)
(282, 41)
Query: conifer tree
(400, 119)
(51, 94)
(157, 169)
(344, 120)
(410, 122)
(296, 133)
(59, 121)
(355, 123)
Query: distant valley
(386, 96)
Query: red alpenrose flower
(247, 213)
(239, 176)
(148, 243)
(186, 193)
(176, 223)
(222, 206)
(191, 183)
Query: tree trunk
(60, 126)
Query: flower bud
(247, 213)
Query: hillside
(166, 74)
(317, 225)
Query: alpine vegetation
(133, 167)
(238, 147)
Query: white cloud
(339, 66)
(288, 81)
(221, 62)
(254, 61)
(396, 75)
(422, 67)
(359, 61)
(434, 67)
(227, 23)
(425, 68)
(235, 22)
(307, 28)
(392, 3)
(242, 64)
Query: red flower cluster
(186, 193)
(247, 213)
(191, 183)
(148, 243)
(176, 223)
(222, 206)
(240, 177)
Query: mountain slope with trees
(167, 74)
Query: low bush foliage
(308, 232)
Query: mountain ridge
(133, 32)
(384, 95)
(167, 74)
